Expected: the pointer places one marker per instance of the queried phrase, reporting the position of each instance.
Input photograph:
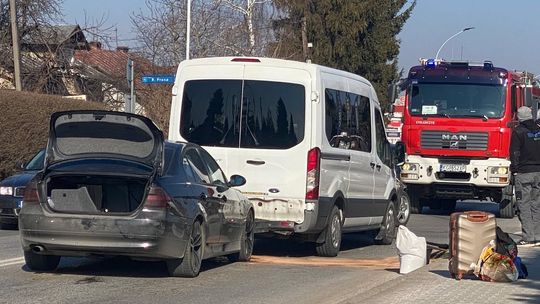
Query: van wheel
(247, 240)
(332, 239)
(403, 208)
(41, 262)
(388, 231)
(190, 265)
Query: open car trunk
(95, 194)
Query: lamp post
(463, 30)
(188, 27)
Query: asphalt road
(281, 272)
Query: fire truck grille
(454, 141)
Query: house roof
(56, 35)
(113, 63)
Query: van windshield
(270, 116)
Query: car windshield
(36, 163)
(457, 100)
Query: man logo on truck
(454, 137)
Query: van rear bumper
(315, 220)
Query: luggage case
(470, 232)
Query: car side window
(216, 174)
(382, 145)
(195, 167)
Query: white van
(310, 141)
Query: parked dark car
(12, 190)
(112, 186)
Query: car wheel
(5, 226)
(388, 231)
(41, 262)
(332, 239)
(246, 241)
(190, 265)
(403, 209)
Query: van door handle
(372, 165)
(378, 167)
(255, 162)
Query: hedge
(24, 124)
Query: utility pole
(129, 105)
(16, 46)
(188, 27)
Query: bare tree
(218, 28)
(31, 14)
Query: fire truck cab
(457, 123)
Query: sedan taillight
(157, 198)
(31, 194)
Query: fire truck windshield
(457, 100)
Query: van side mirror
(236, 181)
(391, 94)
(398, 152)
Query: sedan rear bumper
(135, 237)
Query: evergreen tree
(359, 36)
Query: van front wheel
(332, 239)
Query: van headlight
(498, 175)
(6, 190)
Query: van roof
(239, 60)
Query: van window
(382, 145)
(272, 115)
(210, 112)
(347, 120)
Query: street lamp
(463, 30)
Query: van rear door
(256, 126)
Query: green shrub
(24, 124)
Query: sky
(506, 32)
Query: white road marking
(10, 262)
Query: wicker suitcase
(470, 232)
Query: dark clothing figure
(525, 158)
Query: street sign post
(158, 79)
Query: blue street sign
(157, 79)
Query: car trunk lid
(104, 134)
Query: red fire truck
(457, 123)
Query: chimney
(123, 49)
(95, 45)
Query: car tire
(190, 265)
(246, 241)
(332, 235)
(41, 262)
(388, 231)
(6, 226)
(403, 208)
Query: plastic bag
(411, 249)
(495, 267)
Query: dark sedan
(112, 186)
(12, 191)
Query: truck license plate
(453, 168)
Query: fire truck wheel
(415, 203)
(506, 209)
